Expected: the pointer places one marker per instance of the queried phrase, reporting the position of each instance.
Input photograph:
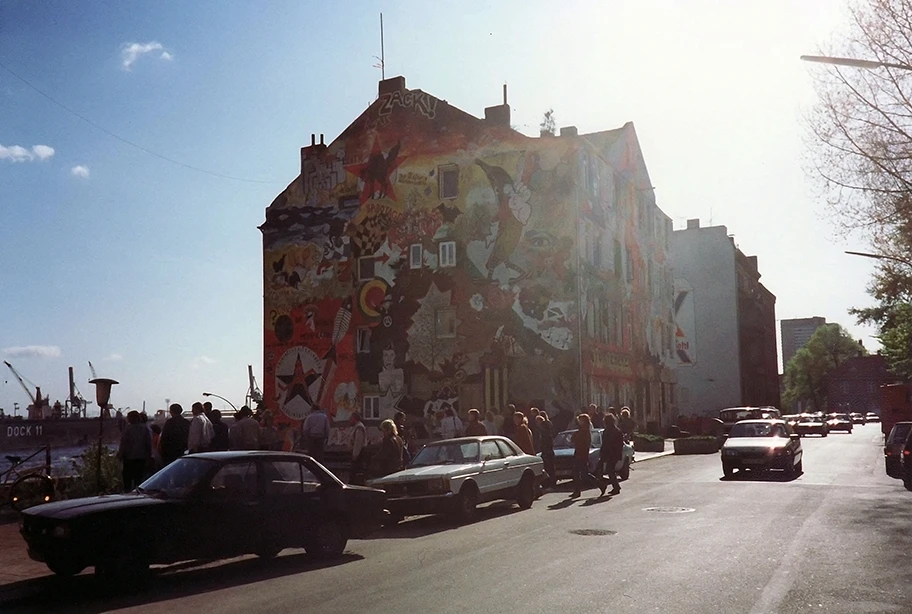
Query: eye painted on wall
(539, 240)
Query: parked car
(906, 462)
(839, 422)
(857, 418)
(453, 476)
(732, 415)
(205, 506)
(872, 417)
(893, 447)
(792, 419)
(812, 424)
(762, 444)
(563, 455)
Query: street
(677, 539)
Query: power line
(131, 143)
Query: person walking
(546, 445)
(582, 442)
(220, 440)
(451, 426)
(135, 451)
(201, 431)
(315, 433)
(475, 428)
(611, 451)
(173, 441)
(389, 457)
(626, 423)
(245, 432)
(359, 454)
(522, 435)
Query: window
(448, 176)
(507, 448)
(363, 340)
(367, 267)
(448, 253)
(489, 450)
(445, 323)
(283, 478)
(416, 255)
(370, 407)
(236, 479)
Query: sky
(132, 183)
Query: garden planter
(645, 445)
(696, 445)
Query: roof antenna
(382, 63)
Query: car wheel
(624, 473)
(525, 493)
(327, 540)
(727, 470)
(467, 503)
(823, 434)
(65, 566)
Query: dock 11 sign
(685, 324)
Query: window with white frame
(448, 176)
(416, 255)
(370, 407)
(363, 340)
(448, 253)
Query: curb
(657, 455)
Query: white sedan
(454, 475)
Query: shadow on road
(421, 526)
(760, 476)
(84, 595)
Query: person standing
(451, 426)
(509, 425)
(315, 433)
(359, 442)
(389, 457)
(490, 422)
(626, 423)
(201, 432)
(546, 445)
(582, 442)
(245, 432)
(522, 435)
(475, 428)
(135, 451)
(220, 441)
(173, 441)
(269, 434)
(611, 452)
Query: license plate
(753, 461)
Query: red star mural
(375, 173)
(298, 383)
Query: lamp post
(102, 396)
(881, 257)
(854, 62)
(212, 394)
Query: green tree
(807, 373)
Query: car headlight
(439, 485)
(61, 530)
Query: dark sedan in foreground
(205, 506)
(762, 444)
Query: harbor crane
(37, 407)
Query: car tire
(467, 503)
(525, 492)
(65, 566)
(327, 540)
(727, 470)
(624, 473)
(824, 434)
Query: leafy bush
(648, 437)
(85, 469)
(702, 437)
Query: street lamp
(102, 396)
(212, 394)
(881, 257)
(854, 62)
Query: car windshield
(840, 417)
(178, 479)
(447, 454)
(564, 440)
(756, 429)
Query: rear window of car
(900, 432)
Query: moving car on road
(839, 422)
(762, 444)
(205, 506)
(454, 475)
(857, 418)
(893, 447)
(563, 455)
(872, 417)
(732, 415)
(812, 424)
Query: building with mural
(427, 258)
(726, 324)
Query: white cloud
(17, 153)
(32, 351)
(201, 361)
(80, 171)
(114, 356)
(130, 52)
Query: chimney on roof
(393, 84)
(693, 224)
(569, 131)
(499, 115)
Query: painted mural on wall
(424, 260)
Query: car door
(227, 513)
(491, 477)
(291, 502)
(512, 468)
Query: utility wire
(131, 143)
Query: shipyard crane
(253, 392)
(92, 369)
(35, 398)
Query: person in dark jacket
(474, 427)
(611, 451)
(388, 458)
(582, 441)
(220, 441)
(175, 433)
(546, 445)
(135, 452)
(509, 425)
(626, 423)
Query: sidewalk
(17, 571)
(639, 457)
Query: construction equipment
(254, 395)
(36, 409)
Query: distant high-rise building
(796, 333)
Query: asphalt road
(835, 539)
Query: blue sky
(153, 271)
